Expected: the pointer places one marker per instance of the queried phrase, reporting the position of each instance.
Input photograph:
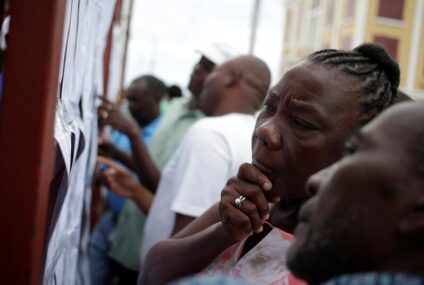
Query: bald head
(238, 85)
(407, 119)
(254, 74)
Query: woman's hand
(247, 218)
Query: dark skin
(307, 118)
(200, 71)
(378, 202)
(143, 103)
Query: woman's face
(306, 119)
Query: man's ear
(233, 78)
(412, 225)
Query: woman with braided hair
(307, 117)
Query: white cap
(219, 53)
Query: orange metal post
(26, 135)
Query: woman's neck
(284, 215)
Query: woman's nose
(268, 135)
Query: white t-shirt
(209, 154)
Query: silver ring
(239, 200)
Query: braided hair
(376, 71)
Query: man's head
(144, 96)
(211, 56)
(238, 85)
(367, 210)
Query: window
(392, 9)
(347, 43)
(300, 20)
(390, 44)
(288, 24)
(349, 9)
(313, 32)
(315, 4)
(329, 15)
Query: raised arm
(146, 169)
(109, 150)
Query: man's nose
(314, 182)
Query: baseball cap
(218, 53)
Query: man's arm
(125, 185)
(146, 169)
(109, 150)
(143, 198)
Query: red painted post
(26, 135)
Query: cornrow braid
(378, 73)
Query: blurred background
(164, 34)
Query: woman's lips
(264, 169)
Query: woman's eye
(349, 148)
(304, 125)
(269, 109)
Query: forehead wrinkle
(309, 107)
(310, 82)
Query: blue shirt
(121, 141)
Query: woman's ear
(411, 226)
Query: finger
(252, 212)
(275, 200)
(104, 100)
(110, 163)
(115, 185)
(103, 114)
(254, 193)
(236, 220)
(103, 141)
(252, 174)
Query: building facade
(398, 25)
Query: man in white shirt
(211, 151)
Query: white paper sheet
(87, 23)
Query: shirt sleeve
(203, 168)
